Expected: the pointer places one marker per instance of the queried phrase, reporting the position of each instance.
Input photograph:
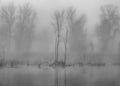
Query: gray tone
(73, 43)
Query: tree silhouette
(25, 28)
(78, 37)
(58, 21)
(8, 19)
(69, 21)
(108, 27)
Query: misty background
(59, 42)
(38, 41)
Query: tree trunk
(66, 47)
(65, 55)
(57, 49)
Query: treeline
(17, 28)
(72, 31)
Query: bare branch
(8, 13)
(71, 15)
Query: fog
(43, 40)
(59, 42)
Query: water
(73, 76)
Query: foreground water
(69, 76)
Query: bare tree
(58, 21)
(77, 34)
(25, 28)
(8, 18)
(70, 19)
(108, 27)
(75, 25)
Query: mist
(59, 42)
